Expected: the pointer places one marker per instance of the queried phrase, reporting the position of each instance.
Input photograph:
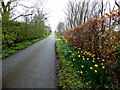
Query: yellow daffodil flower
(83, 58)
(90, 54)
(93, 55)
(69, 51)
(78, 52)
(82, 66)
(73, 54)
(98, 58)
(96, 65)
(93, 61)
(81, 72)
(78, 55)
(91, 67)
(95, 71)
(103, 60)
(103, 66)
(73, 59)
(87, 58)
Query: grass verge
(78, 70)
(18, 46)
(68, 75)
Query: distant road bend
(33, 67)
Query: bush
(97, 36)
(89, 69)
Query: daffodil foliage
(86, 64)
(99, 39)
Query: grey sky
(56, 9)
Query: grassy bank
(19, 46)
(80, 69)
(68, 75)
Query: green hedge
(16, 32)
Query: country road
(33, 67)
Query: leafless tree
(60, 28)
(78, 12)
(9, 10)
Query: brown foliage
(97, 36)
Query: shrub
(98, 37)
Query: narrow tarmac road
(33, 67)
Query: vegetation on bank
(68, 75)
(56, 35)
(17, 35)
(18, 46)
(79, 70)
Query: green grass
(68, 75)
(18, 46)
(69, 69)
(56, 35)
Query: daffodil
(69, 51)
(103, 60)
(98, 58)
(93, 55)
(91, 67)
(83, 58)
(82, 66)
(79, 48)
(103, 66)
(87, 58)
(95, 71)
(96, 65)
(73, 59)
(93, 61)
(78, 52)
(90, 54)
(78, 55)
(73, 54)
(81, 72)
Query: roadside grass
(56, 35)
(18, 46)
(68, 75)
(79, 70)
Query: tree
(60, 29)
(79, 12)
(7, 9)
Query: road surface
(33, 67)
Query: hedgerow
(98, 38)
(79, 70)
(16, 32)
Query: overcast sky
(56, 10)
(57, 7)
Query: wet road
(33, 67)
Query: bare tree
(60, 28)
(78, 12)
(7, 10)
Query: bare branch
(20, 16)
